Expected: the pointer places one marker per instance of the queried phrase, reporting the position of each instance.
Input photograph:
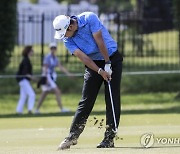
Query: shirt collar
(81, 22)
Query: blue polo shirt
(88, 24)
(51, 61)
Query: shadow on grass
(175, 109)
(154, 147)
(143, 148)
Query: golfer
(85, 37)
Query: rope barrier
(81, 74)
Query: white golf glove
(108, 68)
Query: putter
(114, 116)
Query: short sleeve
(45, 60)
(57, 61)
(70, 45)
(94, 22)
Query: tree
(107, 6)
(7, 31)
(176, 7)
(111, 6)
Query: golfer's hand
(105, 75)
(108, 68)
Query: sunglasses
(53, 48)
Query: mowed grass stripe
(46, 142)
(43, 134)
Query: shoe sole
(65, 145)
(105, 147)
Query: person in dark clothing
(23, 77)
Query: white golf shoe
(37, 112)
(67, 143)
(64, 110)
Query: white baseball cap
(52, 44)
(60, 24)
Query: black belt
(113, 54)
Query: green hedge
(130, 84)
(151, 83)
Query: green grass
(131, 103)
(163, 43)
(165, 40)
(156, 113)
(43, 134)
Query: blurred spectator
(49, 76)
(24, 75)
